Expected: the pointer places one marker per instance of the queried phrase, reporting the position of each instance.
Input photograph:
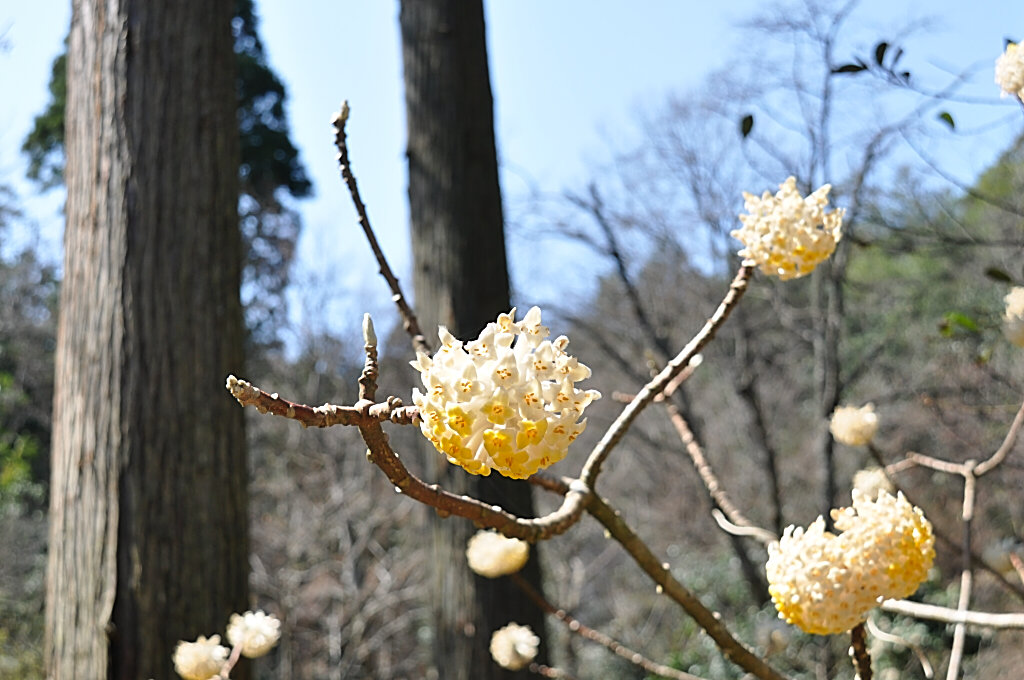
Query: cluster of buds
(1010, 71)
(826, 583)
(854, 426)
(787, 235)
(506, 401)
(251, 635)
(1013, 317)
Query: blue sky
(571, 78)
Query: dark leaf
(746, 125)
(880, 49)
(850, 68)
(946, 118)
(997, 274)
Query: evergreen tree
(269, 171)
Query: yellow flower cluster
(854, 426)
(1010, 71)
(826, 583)
(506, 401)
(787, 235)
(1013, 318)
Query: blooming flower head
(1010, 71)
(492, 555)
(787, 235)
(200, 660)
(506, 401)
(255, 632)
(514, 646)
(854, 426)
(1013, 318)
(826, 583)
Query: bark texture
(461, 281)
(148, 541)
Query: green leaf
(997, 274)
(946, 118)
(962, 320)
(746, 125)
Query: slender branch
(966, 575)
(859, 648)
(732, 649)
(368, 416)
(409, 321)
(932, 612)
(885, 636)
(1004, 450)
(890, 469)
(549, 672)
(636, 658)
(707, 475)
(652, 389)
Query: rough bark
(148, 541)
(461, 281)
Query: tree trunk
(148, 540)
(461, 281)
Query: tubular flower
(854, 426)
(514, 646)
(506, 401)
(492, 555)
(200, 660)
(1010, 71)
(787, 235)
(1013, 318)
(255, 632)
(824, 583)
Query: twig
(600, 638)
(859, 652)
(932, 612)
(966, 575)
(652, 389)
(711, 483)
(731, 648)
(409, 321)
(1003, 451)
(885, 636)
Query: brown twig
(732, 649)
(614, 434)
(710, 479)
(409, 321)
(635, 658)
(859, 651)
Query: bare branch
(600, 638)
(409, 320)
(932, 612)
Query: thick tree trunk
(461, 281)
(148, 541)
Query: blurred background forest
(910, 308)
